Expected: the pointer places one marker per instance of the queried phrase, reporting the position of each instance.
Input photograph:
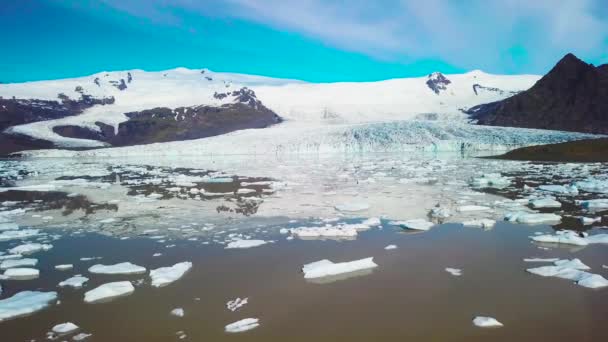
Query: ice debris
(486, 322)
(326, 268)
(166, 275)
(242, 325)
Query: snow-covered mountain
(423, 110)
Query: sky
(312, 40)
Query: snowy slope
(394, 114)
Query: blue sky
(314, 40)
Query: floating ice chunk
(8, 226)
(21, 273)
(244, 191)
(593, 185)
(586, 221)
(242, 325)
(389, 247)
(416, 224)
(120, 268)
(541, 259)
(560, 189)
(177, 312)
(81, 337)
(545, 203)
(75, 282)
(372, 222)
(324, 232)
(486, 322)
(326, 268)
(532, 218)
(466, 208)
(482, 223)
(491, 180)
(64, 267)
(11, 263)
(351, 207)
(594, 204)
(166, 275)
(18, 234)
(454, 271)
(574, 263)
(593, 281)
(236, 304)
(562, 237)
(25, 303)
(109, 291)
(245, 244)
(30, 248)
(65, 328)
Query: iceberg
(326, 268)
(594, 204)
(30, 248)
(545, 203)
(571, 270)
(481, 223)
(109, 291)
(8, 235)
(65, 328)
(21, 273)
(166, 275)
(560, 189)
(532, 218)
(25, 303)
(11, 263)
(75, 282)
(416, 224)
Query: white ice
(236, 304)
(177, 312)
(242, 325)
(65, 328)
(23, 273)
(532, 218)
(390, 247)
(545, 203)
(454, 271)
(416, 224)
(75, 282)
(486, 322)
(326, 268)
(11, 263)
(120, 268)
(166, 275)
(30, 248)
(245, 244)
(25, 303)
(108, 291)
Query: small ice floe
(468, 208)
(545, 203)
(89, 258)
(166, 275)
(12, 263)
(491, 180)
(416, 224)
(75, 282)
(25, 303)
(81, 337)
(109, 291)
(390, 247)
(454, 271)
(242, 325)
(245, 244)
(568, 237)
(23, 273)
(572, 270)
(65, 328)
(594, 204)
(64, 267)
(326, 268)
(481, 223)
(540, 259)
(486, 322)
(120, 268)
(30, 248)
(236, 304)
(560, 189)
(177, 312)
(532, 218)
(8, 235)
(352, 207)
(587, 221)
(327, 231)
(157, 254)
(8, 226)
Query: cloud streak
(499, 36)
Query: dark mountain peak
(570, 66)
(437, 82)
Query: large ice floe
(570, 237)
(242, 325)
(166, 275)
(594, 204)
(325, 268)
(12, 263)
(30, 248)
(21, 273)
(25, 303)
(109, 291)
(120, 268)
(574, 270)
(8, 235)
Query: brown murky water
(409, 297)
